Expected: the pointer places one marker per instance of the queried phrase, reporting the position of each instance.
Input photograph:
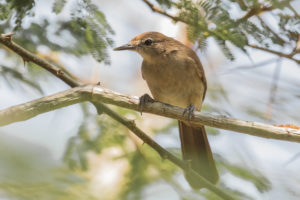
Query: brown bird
(175, 76)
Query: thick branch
(31, 109)
(75, 96)
(98, 94)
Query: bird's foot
(144, 100)
(189, 111)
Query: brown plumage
(175, 76)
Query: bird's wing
(193, 58)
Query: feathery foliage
(214, 18)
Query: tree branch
(96, 94)
(255, 11)
(160, 11)
(6, 39)
(27, 56)
(289, 56)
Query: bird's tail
(196, 150)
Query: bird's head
(148, 45)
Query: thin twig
(278, 53)
(50, 58)
(293, 10)
(160, 11)
(271, 30)
(246, 67)
(273, 89)
(292, 159)
(255, 11)
(29, 57)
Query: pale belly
(179, 86)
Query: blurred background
(74, 153)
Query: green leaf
(226, 51)
(21, 9)
(58, 6)
(4, 12)
(165, 3)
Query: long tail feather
(196, 150)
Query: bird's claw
(144, 100)
(190, 111)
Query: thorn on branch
(99, 110)
(59, 72)
(163, 156)
(8, 36)
(132, 123)
(25, 60)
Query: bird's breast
(174, 83)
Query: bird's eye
(148, 42)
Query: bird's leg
(190, 111)
(144, 99)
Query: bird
(175, 75)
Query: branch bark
(96, 94)
(73, 97)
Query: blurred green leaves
(3, 12)
(10, 75)
(29, 172)
(18, 8)
(95, 134)
(261, 183)
(58, 5)
(213, 18)
(85, 31)
(98, 133)
(165, 3)
(89, 24)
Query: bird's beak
(125, 47)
